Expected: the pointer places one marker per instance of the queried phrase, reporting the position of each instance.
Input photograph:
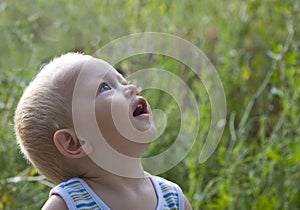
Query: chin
(149, 130)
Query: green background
(253, 44)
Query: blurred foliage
(253, 44)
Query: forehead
(99, 69)
(86, 74)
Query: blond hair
(43, 109)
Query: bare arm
(187, 205)
(55, 202)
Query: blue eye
(104, 87)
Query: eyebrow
(121, 78)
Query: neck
(115, 162)
(98, 176)
(125, 168)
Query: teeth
(139, 110)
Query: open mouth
(141, 108)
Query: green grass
(254, 46)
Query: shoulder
(187, 205)
(164, 183)
(171, 193)
(55, 202)
(167, 185)
(57, 196)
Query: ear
(69, 145)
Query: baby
(84, 127)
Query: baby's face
(124, 117)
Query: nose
(131, 90)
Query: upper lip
(139, 106)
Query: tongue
(138, 111)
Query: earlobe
(68, 144)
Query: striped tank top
(78, 195)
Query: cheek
(103, 115)
(107, 125)
(109, 112)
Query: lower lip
(146, 115)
